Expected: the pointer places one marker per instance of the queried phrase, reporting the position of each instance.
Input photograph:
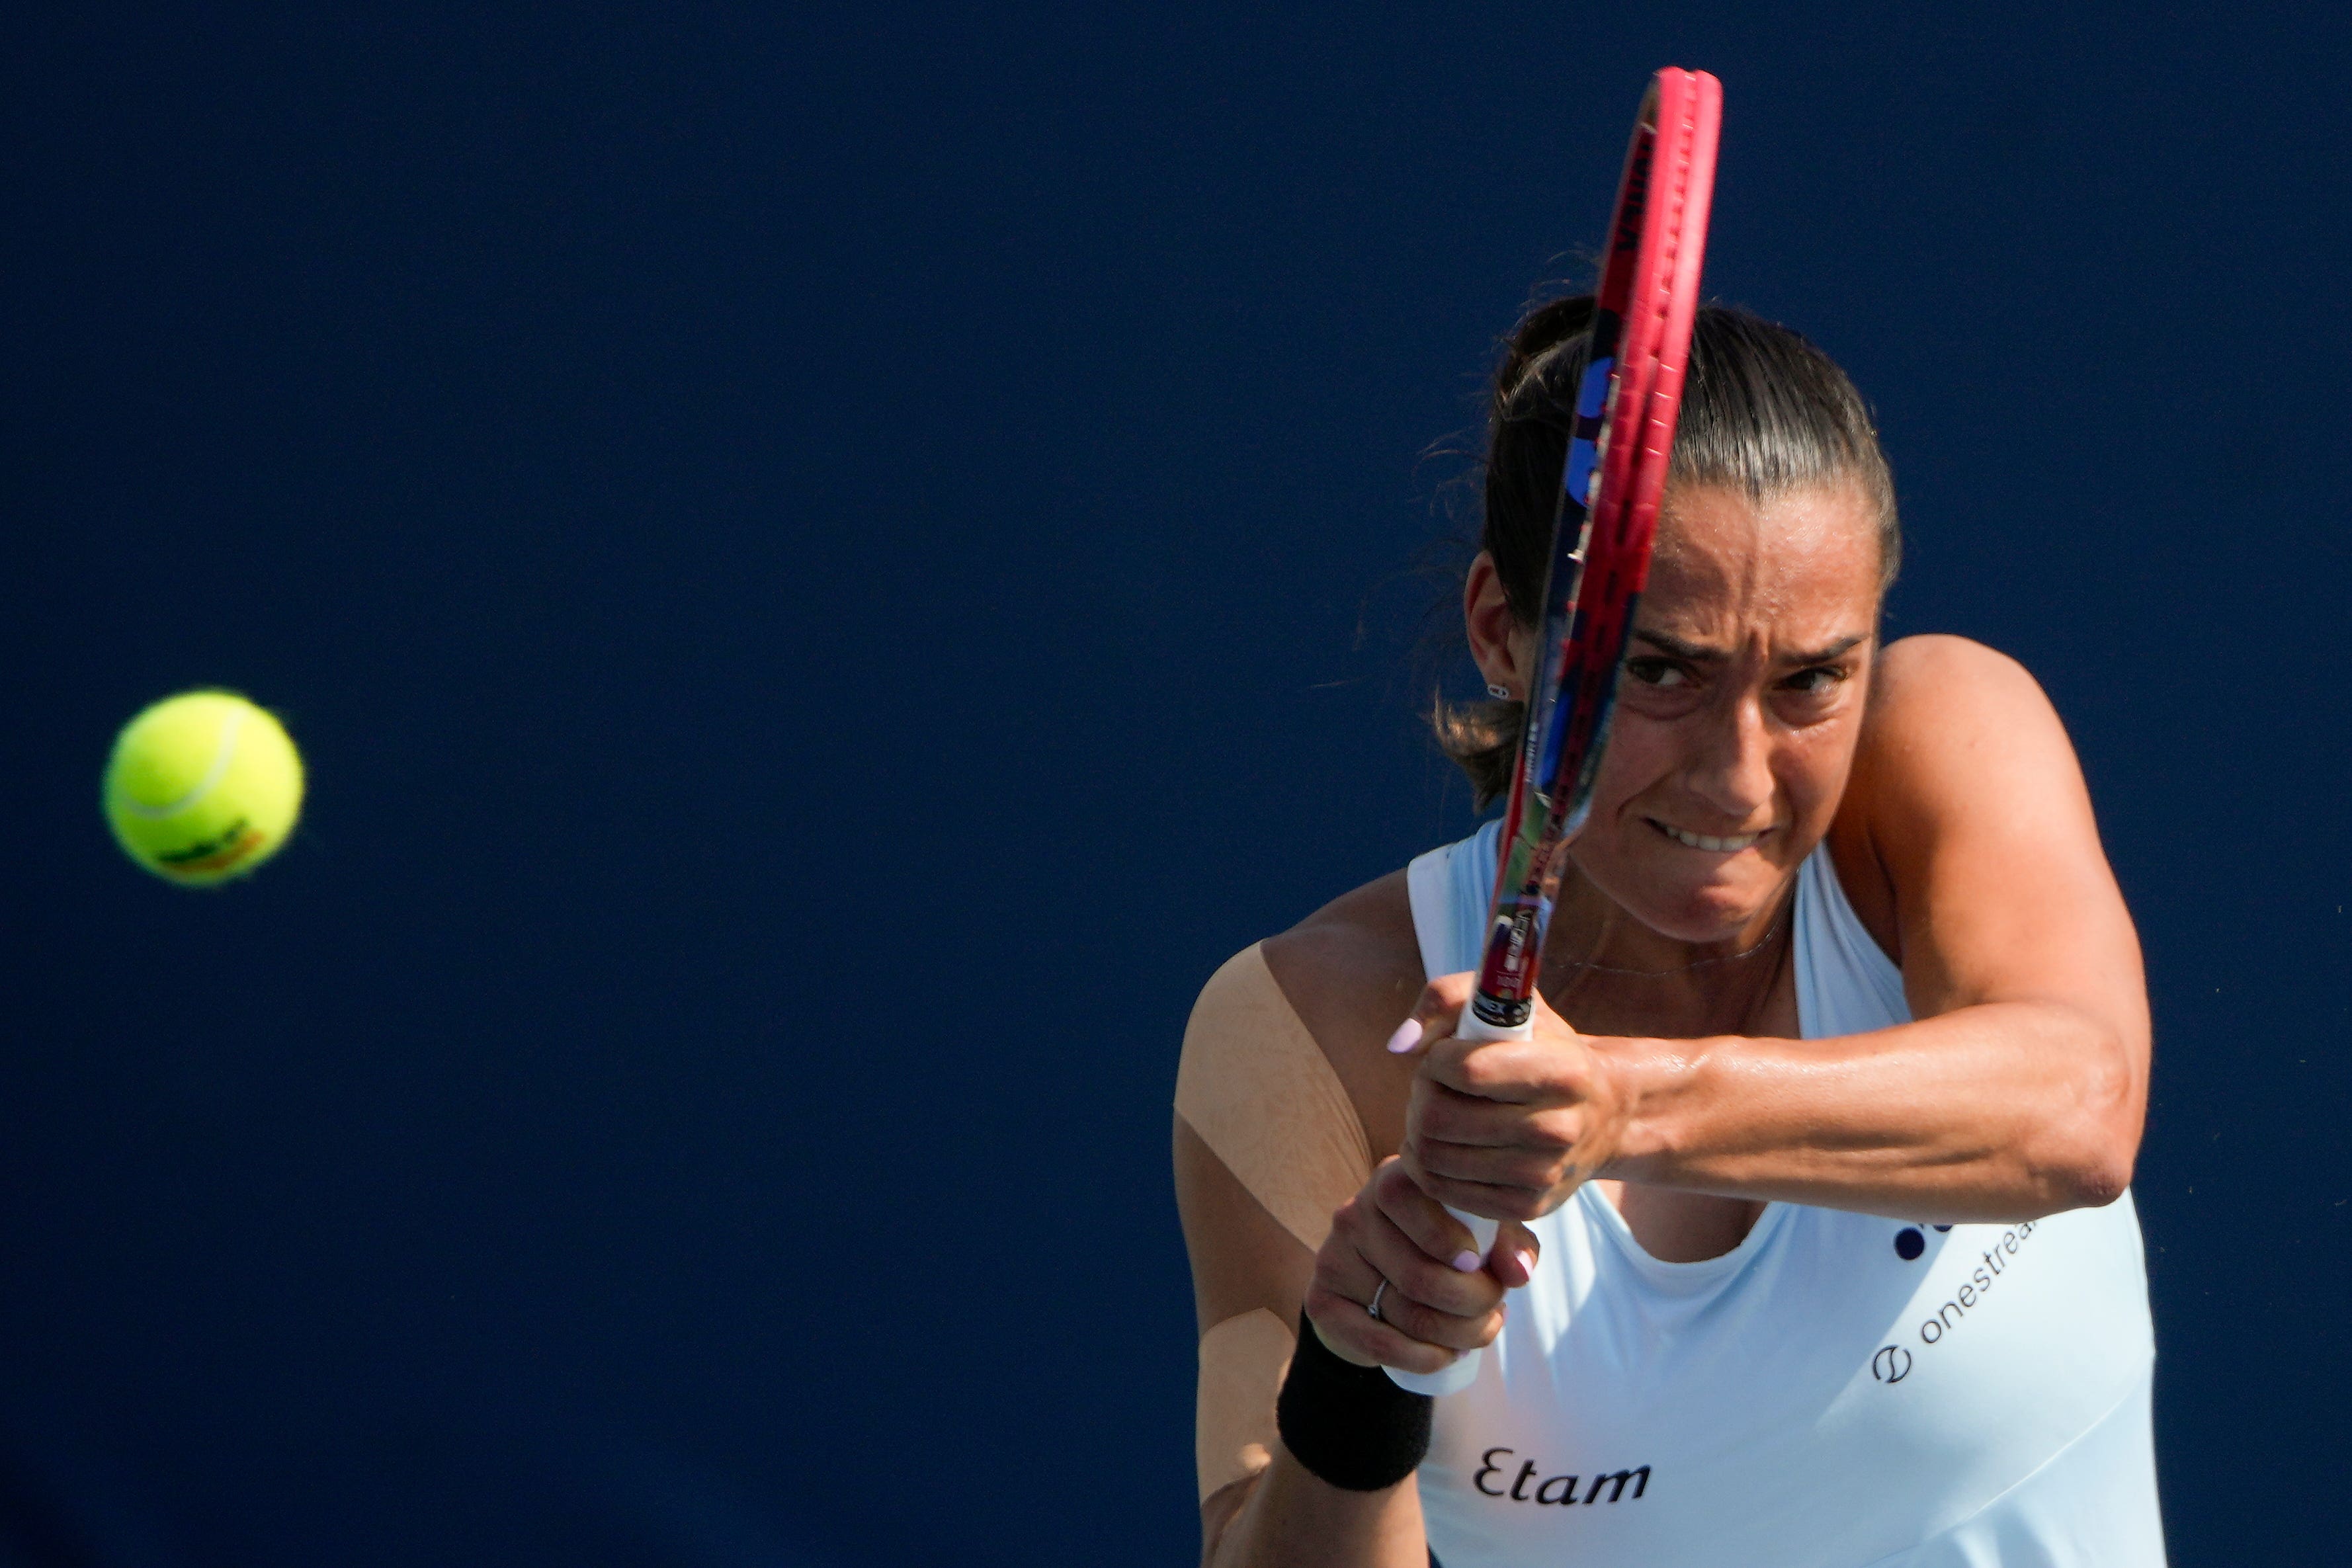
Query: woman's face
(1738, 709)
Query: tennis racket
(1611, 485)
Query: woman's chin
(1703, 928)
(1719, 905)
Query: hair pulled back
(1764, 412)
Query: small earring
(1498, 691)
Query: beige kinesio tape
(1243, 1361)
(1258, 1089)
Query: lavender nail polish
(1467, 1261)
(1407, 1036)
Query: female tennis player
(1817, 1248)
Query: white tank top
(1839, 1390)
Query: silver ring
(1374, 1309)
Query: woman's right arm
(1281, 1209)
(1283, 1513)
(1276, 1513)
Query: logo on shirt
(1892, 1362)
(1557, 1490)
(1910, 1241)
(1978, 1285)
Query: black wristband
(1349, 1424)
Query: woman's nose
(1733, 771)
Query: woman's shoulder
(1353, 963)
(1938, 702)
(1351, 972)
(1913, 671)
(1935, 700)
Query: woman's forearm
(1292, 1520)
(2000, 1110)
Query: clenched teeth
(1708, 842)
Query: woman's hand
(1439, 1299)
(1506, 1128)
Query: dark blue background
(830, 562)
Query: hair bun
(1543, 328)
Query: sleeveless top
(1840, 1390)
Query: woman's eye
(1656, 672)
(1815, 680)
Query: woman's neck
(1607, 973)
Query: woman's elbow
(2087, 1160)
(2101, 1177)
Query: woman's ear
(1503, 649)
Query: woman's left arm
(2020, 1088)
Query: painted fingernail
(1407, 1036)
(1467, 1261)
(1527, 1264)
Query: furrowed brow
(1700, 653)
(1674, 647)
(1835, 651)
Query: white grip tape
(1459, 1375)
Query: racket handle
(1482, 1230)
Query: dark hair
(1763, 411)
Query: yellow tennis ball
(202, 787)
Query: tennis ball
(202, 787)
